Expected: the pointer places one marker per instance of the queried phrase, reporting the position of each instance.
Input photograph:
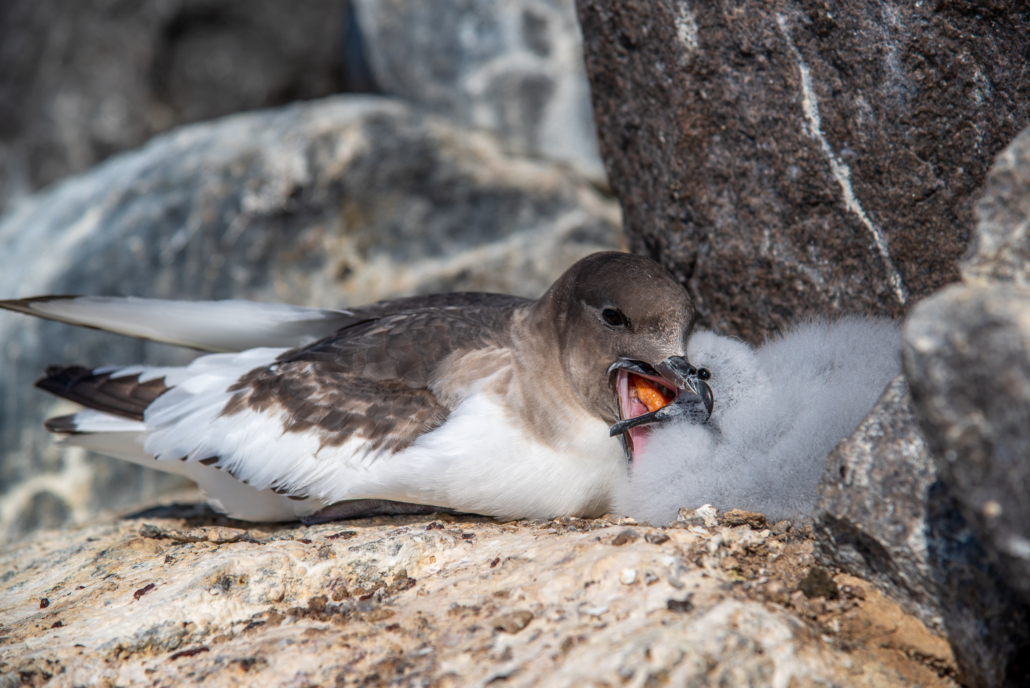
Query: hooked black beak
(679, 372)
(693, 401)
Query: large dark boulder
(334, 202)
(800, 158)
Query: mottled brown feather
(372, 379)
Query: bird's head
(622, 323)
(724, 369)
(729, 367)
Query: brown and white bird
(480, 403)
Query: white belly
(480, 461)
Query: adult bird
(778, 412)
(480, 403)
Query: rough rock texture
(929, 497)
(884, 516)
(83, 79)
(445, 601)
(967, 356)
(797, 158)
(513, 67)
(334, 202)
(1000, 249)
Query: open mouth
(640, 395)
(652, 395)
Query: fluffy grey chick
(778, 411)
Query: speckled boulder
(1000, 249)
(792, 159)
(967, 356)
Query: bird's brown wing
(372, 379)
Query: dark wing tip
(62, 378)
(25, 305)
(63, 425)
(123, 396)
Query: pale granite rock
(444, 601)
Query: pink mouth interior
(630, 406)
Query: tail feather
(224, 493)
(123, 396)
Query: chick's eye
(703, 374)
(614, 317)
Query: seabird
(778, 412)
(479, 403)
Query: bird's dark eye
(614, 317)
(703, 374)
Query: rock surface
(796, 159)
(341, 201)
(445, 601)
(513, 67)
(1000, 249)
(84, 79)
(884, 516)
(967, 357)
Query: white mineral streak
(841, 171)
(419, 601)
(686, 27)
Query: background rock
(83, 79)
(513, 67)
(884, 516)
(341, 201)
(448, 602)
(967, 357)
(798, 158)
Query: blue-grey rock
(967, 356)
(513, 67)
(85, 79)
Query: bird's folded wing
(232, 325)
(311, 421)
(205, 325)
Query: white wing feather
(205, 325)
